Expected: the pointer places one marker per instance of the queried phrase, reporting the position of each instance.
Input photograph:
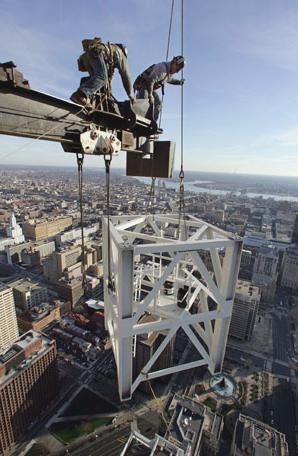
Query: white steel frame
(145, 250)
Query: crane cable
(181, 174)
(107, 167)
(159, 405)
(80, 161)
(151, 202)
(167, 54)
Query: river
(190, 186)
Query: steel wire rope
(167, 54)
(107, 167)
(150, 202)
(152, 188)
(159, 404)
(181, 174)
(80, 161)
(153, 183)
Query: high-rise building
(257, 438)
(70, 290)
(246, 265)
(245, 309)
(8, 320)
(265, 272)
(28, 385)
(28, 294)
(59, 262)
(146, 346)
(289, 278)
(193, 430)
(67, 262)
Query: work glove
(151, 99)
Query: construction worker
(100, 60)
(155, 77)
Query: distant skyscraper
(245, 308)
(14, 231)
(8, 320)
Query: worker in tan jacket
(101, 60)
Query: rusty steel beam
(28, 113)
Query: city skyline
(240, 110)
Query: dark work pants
(143, 93)
(98, 78)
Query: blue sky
(241, 90)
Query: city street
(280, 336)
(284, 420)
(242, 357)
(109, 445)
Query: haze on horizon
(241, 75)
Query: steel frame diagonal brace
(126, 304)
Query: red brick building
(28, 385)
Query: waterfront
(192, 186)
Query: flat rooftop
(14, 366)
(24, 285)
(95, 304)
(259, 438)
(247, 289)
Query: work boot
(80, 98)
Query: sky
(241, 88)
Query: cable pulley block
(97, 142)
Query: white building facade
(8, 320)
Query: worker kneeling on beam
(100, 60)
(155, 78)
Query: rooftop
(258, 438)
(3, 287)
(21, 354)
(246, 288)
(24, 285)
(94, 304)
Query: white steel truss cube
(145, 254)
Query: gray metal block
(161, 164)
